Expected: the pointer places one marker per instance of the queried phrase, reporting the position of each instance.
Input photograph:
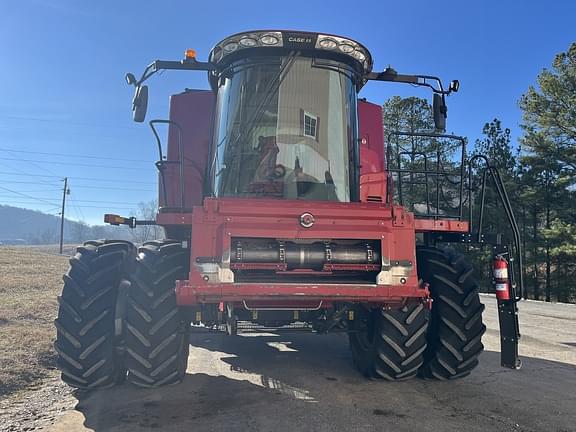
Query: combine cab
(284, 209)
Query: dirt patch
(29, 284)
(35, 410)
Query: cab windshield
(285, 129)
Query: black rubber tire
(456, 328)
(89, 352)
(157, 330)
(389, 344)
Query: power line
(83, 187)
(52, 204)
(78, 156)
(45, 182)
(12, 172)
(45, 199)
(27, 196)
(37, 166)
(77, 209)
(37, 190)
(44, 120)
(72, 163)
(114, 188)
(30, 175)
(78, 178)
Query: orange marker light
(190, 54)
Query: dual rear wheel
(441, 343)
(118, 317)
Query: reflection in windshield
(285, 130)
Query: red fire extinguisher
(501, 280)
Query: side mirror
(454, 86)
(140, 104)
(440, 112)
(130, 79)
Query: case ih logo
(299, 40)
(306, 40)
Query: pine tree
(549, 174)
(419, 154)
(495, 145)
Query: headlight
(269, 39)
(328, 43)
(346, 48)
(230, 46)
(359, 55)
(248, 42)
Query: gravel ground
(292, 381)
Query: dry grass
(29, 283)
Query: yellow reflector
(190, 54)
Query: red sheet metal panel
(223, 219)
(193, 111)
(371, 137)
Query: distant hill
(19, 225)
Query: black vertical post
(508, 317)
(65, 191)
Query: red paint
(224, 219)
(188, 293)
(373, 187)
(501, 279)
(444, 225)
(372, 158)
(193, 111)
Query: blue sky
(65, 107)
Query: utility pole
(65, 192)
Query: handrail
(438, 172)
(161, 161)
(503, 195)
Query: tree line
(539, 173)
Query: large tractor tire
(389, 344)
(87, 341)
(157, 330)
(456, 328)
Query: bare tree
(143, 233)
(80, 231)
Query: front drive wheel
(456, 328)
(389, 344)
(87, 344)
(157, 330)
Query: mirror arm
(188, 64)
(391, 75)
(148, 72)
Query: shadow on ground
(302, 382)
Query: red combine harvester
(282, 209)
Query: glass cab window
(285, 129)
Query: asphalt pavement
(305, 382)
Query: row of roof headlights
(274, 39)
